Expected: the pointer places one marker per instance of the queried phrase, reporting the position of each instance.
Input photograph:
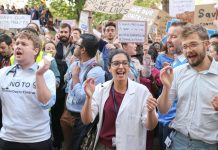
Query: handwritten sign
(161, 22)
(109, 6)
(132, 31)
(142, 14)
(14, 21)
(205, 15)
(83, 21)
(180, 6)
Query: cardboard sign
(142, 14)
(161, 21)
(132, 31)
(205, 15)
(180, 6)
(155, 18)
(109, 6)
(14, 21)
(187, 16)
(83, 21)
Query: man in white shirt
(26, 93)
(195, 86)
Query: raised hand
(166, 76)
(45, 66)
(89, 87)
(75, 71)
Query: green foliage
(70, 10)
(147, 3)
(34, 2)
(60, 9)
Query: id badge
(168, 142)
(113, 141)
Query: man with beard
(174, 43)
(64, 52)
(196, 120)
(5, 50)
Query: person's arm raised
(166, 76)
(86, 113)
(43, 93)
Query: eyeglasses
(192, 45)
(118, 63)
(78, 45)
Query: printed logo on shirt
(20, 87)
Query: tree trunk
(165, 5)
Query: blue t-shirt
(161, 59)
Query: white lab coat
(130, 123)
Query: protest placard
(132, 31)
(142, 14)
(155, 18)
(187, 16)
(205, 15)
(180, 6)
(14, 21)
(83, 21)
(161, 22)
(109, 6)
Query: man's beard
(200, 59)
(64, 39)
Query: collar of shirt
(34, 67)
(213, 69)
(181, 58)
(85, 64)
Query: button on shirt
(194, 90)
(76, 94)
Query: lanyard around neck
(114, 99)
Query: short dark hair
(178, 24)
(77, 29)
(110, 23)
(90, 43)
(65, 25)
(116, 52)
(215, 46)
(5, 38)
(47, 42)
(153, 52)
(38, 30)
(198, 29)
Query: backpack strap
(89, 68)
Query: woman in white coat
(126, 108)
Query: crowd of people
(54, 87)
(40, 13)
